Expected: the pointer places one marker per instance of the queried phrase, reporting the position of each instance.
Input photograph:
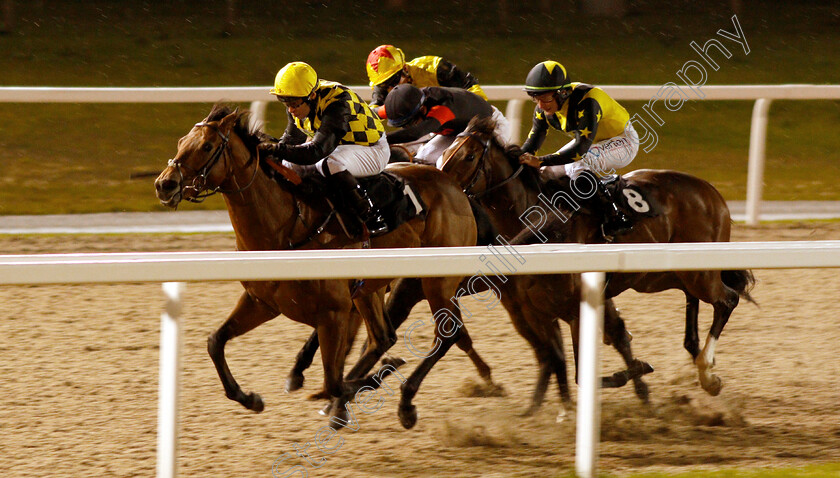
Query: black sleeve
(536, 138)
(333, 127)
(452, 76)
(293, 135)
(587, 126)
(415, 132)
(378, 96)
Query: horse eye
(207, 147)
(470, 157)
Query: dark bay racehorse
(692, 211)
(219, 155)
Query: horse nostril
(166, 185)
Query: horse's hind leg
(247, 315)
(710, 382)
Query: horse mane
(250, 135)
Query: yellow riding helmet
(296, 79)
(384, 62)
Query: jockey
(331, 132)
(445, 112)
(604, 138)
(387, 68)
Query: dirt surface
(80, 367)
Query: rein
(474, 179)
(199, 183)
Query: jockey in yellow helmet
(330, 131)
(387, 68)
(604, 138)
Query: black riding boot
(357, 201)
(614, 221)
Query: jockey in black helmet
(603, 136)
(439, 110)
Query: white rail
(538, 259)
(762, 94)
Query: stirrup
(376, 225)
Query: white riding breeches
(432, 151)
(360, 161)
(603, 157)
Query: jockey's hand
(530, 160)
(270, 148)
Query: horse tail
(741, 282)
(486, 230)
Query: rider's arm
(293, 134)
(587, 126)
(536, 138)
(333, 128)
(435, 118)
(380, 92)
(450, 75)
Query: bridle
(481, 166)
(199, 182)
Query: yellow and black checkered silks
(364, 126)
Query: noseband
(199, 182)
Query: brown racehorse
(692, 211)
(219, 155)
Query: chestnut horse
(220, 155)
(692, 211)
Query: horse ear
(226, 124)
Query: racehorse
(219, 154)
(691, 210)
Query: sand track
(80, 365)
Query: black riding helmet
(403, 103)
(546, 76)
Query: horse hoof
(294, 382)
(714, 388)
(529, 412)
(257, 404)
(395, 362)
(408, 416)
(326, 410)
(322, 395)
(646, 368)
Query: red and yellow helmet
(384, 62)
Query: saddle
(635, 201)
(391, 195)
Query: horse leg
(405, 294)
(247, 315)
(710, 382)
(615, 329)
(692, 337)
(448, 327)
(294, 381)
(381, 334)
(521, 324)
(332, 336)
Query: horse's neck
(510, 201)
(264, 214)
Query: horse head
(466, 157)
(207, 159)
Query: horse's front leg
(247, 315)
(294, 381)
